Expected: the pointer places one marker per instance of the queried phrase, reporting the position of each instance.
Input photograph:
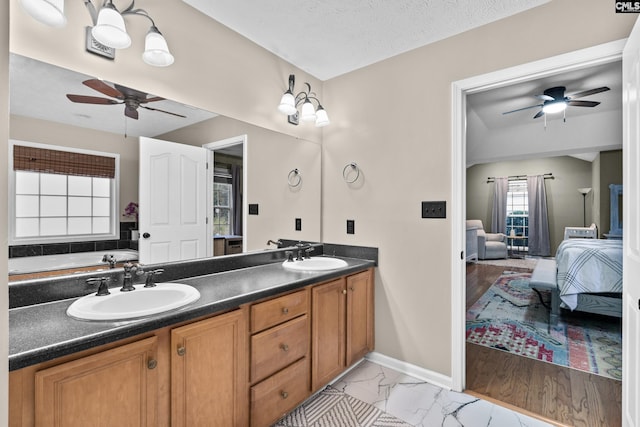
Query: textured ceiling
(327, 38)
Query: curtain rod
(515, 177)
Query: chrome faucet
(303, 247)
(110, 259)
(274, 242)
(103, 288)
(151, 275)
(127, 283)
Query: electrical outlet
(298, 224)
(351, 226)
(434, 209)
(253, 209)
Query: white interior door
(173, 202)
(631, 231)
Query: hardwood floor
(561, 395)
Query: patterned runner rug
(333, 408)
(510, 317)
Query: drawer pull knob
(284, 347)
(152, 363)
(284, 394)
(285, 310)
(182, 351)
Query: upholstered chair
(490, 245)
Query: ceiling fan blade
(583, 103)
(131, 112)
(588, 92)
(540, 114)
(545, 97)
(91, 99)
(102, 87)
(525, 108)
(152, 99)
(163, 111)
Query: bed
(586, 275)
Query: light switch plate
(434, 209)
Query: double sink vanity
(231, 341)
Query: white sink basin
(315, 264)
(129, 305)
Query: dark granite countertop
(43, 331)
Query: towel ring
(345, 173)
(294, 178)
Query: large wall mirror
(42, 113)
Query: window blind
(34, 159)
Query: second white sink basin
(315, 264)
(129, 305)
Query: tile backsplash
(124, 242)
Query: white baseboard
(426, 375)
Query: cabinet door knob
(284, 347)
(344, 291)
(152, 363)
(284, 394)
(351, 289)
(285, 310)
(182, 351)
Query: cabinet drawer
(280, 393)
(278, 310)
(275, 348)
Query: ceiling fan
(555, 101)
(131, 98)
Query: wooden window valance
(34, 159)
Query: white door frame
(596, 55)
(216, 145)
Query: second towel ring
(294, 178)
(345, 172)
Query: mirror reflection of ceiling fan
(131, 98)
(555, 101)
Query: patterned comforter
(588, 266)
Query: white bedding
(588, 266)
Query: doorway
(227, 190)
(580, 59)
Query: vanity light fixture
(309, 113)
(108, 32)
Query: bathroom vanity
(258, 342)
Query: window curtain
(539, 244)
(499, 211)
(236, 189)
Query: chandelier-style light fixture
(309, 113)
(108, 32)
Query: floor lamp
(584, 192)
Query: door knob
(146, 235)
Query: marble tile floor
(422, 404)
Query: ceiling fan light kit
(309, 113)
(555, 101)
(108, 32)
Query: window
(222, 208)
(518, 214)
(61, 195)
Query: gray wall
(563, 199)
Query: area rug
(510, 317)
(529, 263)
(333, 408)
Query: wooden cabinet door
(360, 307)
(327, 332)
(209, 385)
(118, 387)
